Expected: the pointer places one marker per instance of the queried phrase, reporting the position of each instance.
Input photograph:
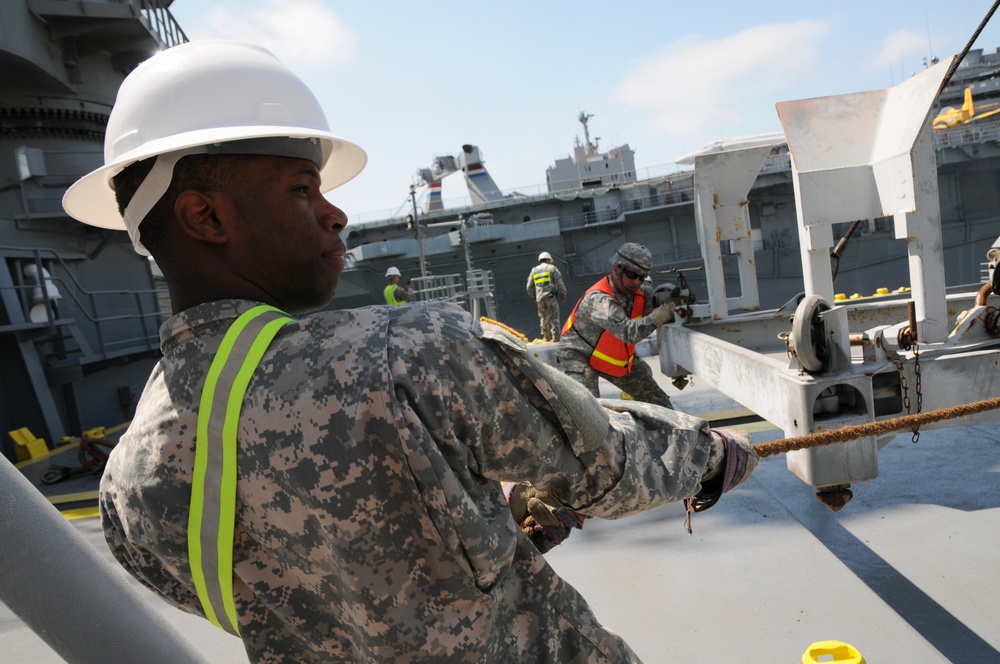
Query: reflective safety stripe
(612, 360)
(542, 278)
(211, 521)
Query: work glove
(740, 460)
(663, 313)
(541, 517)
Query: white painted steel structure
(817, 364)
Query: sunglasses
(632, 275)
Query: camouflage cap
(634, 256)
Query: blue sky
(409, 81)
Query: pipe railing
(159, 21)
(91, 308)
(60, 587)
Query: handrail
(975, 133)
(515, 196)
(91, 309)
(56, 583)
(159, 21)
(987, 131)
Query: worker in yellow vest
(545, 285)
(395, 294)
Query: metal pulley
(809, 338)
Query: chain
(903, 383)
(919, 389)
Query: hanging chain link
(903, 383)
(919, 389)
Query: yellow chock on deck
(26, 445)
(842, 653)
(96, 432)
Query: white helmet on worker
(206, 97)
(544, 256)
(392, 272)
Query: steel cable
(968, 46)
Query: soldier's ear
(198, 215)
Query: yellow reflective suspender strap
(211, 521)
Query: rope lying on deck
(874, 428)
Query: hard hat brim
(91, 199)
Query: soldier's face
(627, 282)
(289, 244)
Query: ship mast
(591, 147)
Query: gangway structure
(820, 363)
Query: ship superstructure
(594, 200)
(589, 167)
(79, 313)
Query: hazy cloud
(695, 83)
(304, 34)
(898, 46)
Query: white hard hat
(392, 272)
(545, 256)
(190, 99)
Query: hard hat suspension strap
(151, 191)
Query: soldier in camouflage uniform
(611, 317)
(369, 523)
(545, 285)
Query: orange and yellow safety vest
(611, 355)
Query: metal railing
(159, 21)
(481, 289)
(60, 586)
(139, 307)
(440, 288)
(974, 134)
(514, 196)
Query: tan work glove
(541, 517)
(663, 313)
(740, 460)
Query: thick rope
(874, 428)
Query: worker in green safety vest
(395, 294)
(545, 286)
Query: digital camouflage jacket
(371, 525)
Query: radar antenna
(591, 147)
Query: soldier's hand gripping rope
(545, 520)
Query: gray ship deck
(905, 573)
